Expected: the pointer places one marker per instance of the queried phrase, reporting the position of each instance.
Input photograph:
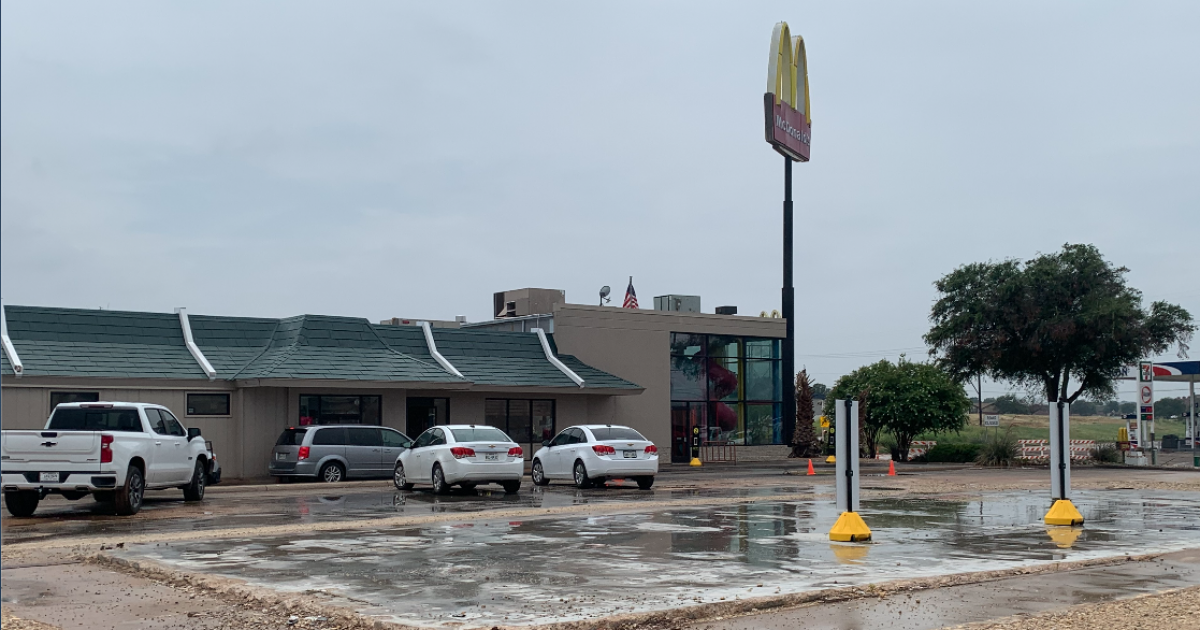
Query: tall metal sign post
(850, 526)
(1062, 512)
(789, 131)
(1145, 386)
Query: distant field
(1103, 428)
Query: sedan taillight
(651, 449)
(460, 452)
(516, 452)
(106, 449)
(303, 454)
(604, 449)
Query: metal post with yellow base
(1063, 512)
(850, 526)
(695, 447)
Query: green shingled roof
(95, 343)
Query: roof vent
(726, 310)
(462, 319)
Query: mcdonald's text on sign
(786, 103)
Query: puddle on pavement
(489, 572)
(57, 517)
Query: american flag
(630, 296)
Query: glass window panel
(58, 398)
(364, 436)
(117, 419)
(723, 381)
(208, 404)
(763, 380)
(330, 437)
(687, 345)
(340, 410)
(310, 409)
(687, 379)
(489, 434)
(441, 408)
(685, 416)
(723, 346)
(372, 412)
(725, 423)
(762, 349)
(543, 420)
(520, 420)
(495, 413)
(764, 424)
(392, 438)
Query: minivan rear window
(291, 437)
(82, 419)
(616, 433)
(480, 434)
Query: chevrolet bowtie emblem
(49, 444)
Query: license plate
(491, 457)
(280, 456)
(48, 477)
(630, 454)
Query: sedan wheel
(538, 474)
(439, 481)
(399, 479)
(581, 476)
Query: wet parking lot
(483, 571)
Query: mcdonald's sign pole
(789, 130)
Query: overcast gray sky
(381, 159)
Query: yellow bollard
(1063, 512)
(695, 461)
(850, 528)
(831, 460)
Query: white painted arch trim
(433, 351)
(191, 344)
(9, 349)
(553, 359)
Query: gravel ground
(1177, 610)
(13, 622)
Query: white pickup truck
(112, 450)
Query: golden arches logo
(788, 109)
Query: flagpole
(789, 311)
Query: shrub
(953, 453)
(1001, 450)
(1107, 454)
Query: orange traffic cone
(810, 468)
(892, 468)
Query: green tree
(1084, 408)
(1061, 316)
(904, 399)
(1168, 407)
(1010, 404)
(1127, 407)
(804, 438)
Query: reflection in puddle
(573, 568)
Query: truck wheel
(22, 502)
(128, 499)
(194, 491)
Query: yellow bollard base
(830, 460)
(695, 462)
(1063, 512)
(850, 528)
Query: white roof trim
(191, 344)
(553, 359)
(433, 351)
(6, 341)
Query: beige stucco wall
(635, 345)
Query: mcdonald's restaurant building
(243, 380)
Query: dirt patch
(13, 622)
(1178, 609)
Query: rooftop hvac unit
(678, 303)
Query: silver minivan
(336, 452)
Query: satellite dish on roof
(604, 291)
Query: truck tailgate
(74, 447)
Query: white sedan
(591, 454)
(460, 454)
